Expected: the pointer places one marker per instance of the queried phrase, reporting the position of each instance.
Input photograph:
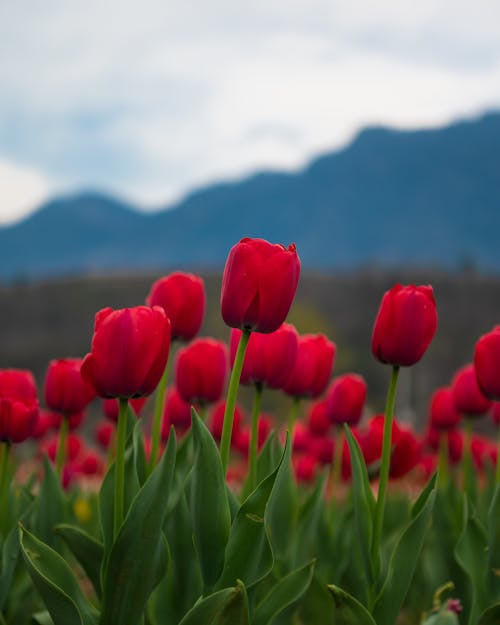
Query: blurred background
(136, 139)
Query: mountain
(391, 197)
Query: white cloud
(23, 190)
(154, 98)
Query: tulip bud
(182, 297)
(176, 412)
(487, 363)
(346, 399)
(129, 351)
(442, 411)
(18, 405)
(259, 284)
(469, 400)
(201, 370)
(65, 389)
(312, 368)
(268, 357)
(405, 325)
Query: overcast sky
(150, 99)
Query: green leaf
(281, 510)
(311, 515)
(88, 551)
(210, 610)
(315, 608)
(10, 552)
(51, 504)
(107, 502)
(471, 555)
(364, 506)
(494, 545)
(56, 583)
(404, 558)
(347, 610)
(139, 556)
(235, 612)
(42, 618)
(209, 504)
(249, 556)
(490, 616)
(139, 453)
(286, 592)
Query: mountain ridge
(390, 197)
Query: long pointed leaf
(209, 504)
(88, 551)
(347, 610)
(364, 506)
(249, 556)
(285, 593)
(139, 555)
(404, 559)
(56, 583)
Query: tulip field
(181, 510)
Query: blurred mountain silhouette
(390, 198)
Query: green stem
(337, 459)
(234, 381)
(292, 417)
(4, 486)
(62, 446)
(254, 437)
(121, 439)
(157, 419)
(378, 520)
(468, 475)
(497, 474)
(443, 459)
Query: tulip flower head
(346, 399)
(469, 400)
(443, 412)
(487, 363)
(129, 351)
(313, 366)
(268, 357)
(182, 297)
(258, 285)
(201, 370)
(65, 389)
(405, 325)
(18, 405)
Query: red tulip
(74, 420)
(405, 325)
(129, 351)
(317, 419)
(495, 413)
(217, 420)
(305, 466)
(313, 366)
(469, 400)
(176, 412)
(406, 449)
(74, 447)
(321, 448)
(487, 363)
(182, 297)
(201, 370)
(346, 399)
(46, 421)
(241, 438)
(442, 411)
(268, 357)
(302, 438)
(259, 284)
(65, 389)
(483, 452)
(18, 405)
(104, 432)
